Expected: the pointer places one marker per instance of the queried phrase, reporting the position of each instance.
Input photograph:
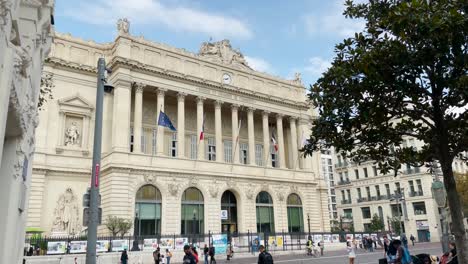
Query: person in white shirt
(351, 252)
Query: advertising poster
(220, 243)
(166, 243)
(279, 241)
(78, 246)
(327, 238)
(150, 244)
(102, 246)
(256, 244)
(235, 243)
(335, 238)
(374, 236)
(272, 241)
(365, 235)
(349, 237)
(119, 245)
(358, 237)
(180, 242)
(59, 247)
(317, 238)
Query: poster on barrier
(102, 245)
(374, 236)
(150, 244)
(235, 243)
(317, 238)
(327, 238)
(166, 243)
(78, 246)
(365, 235)
(220, 243)
(349, 237)
(180, 242)
(335, 238)
(57, 247)
(358, 237)
(119, 245)
(279, 241)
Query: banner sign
(150, 244)
(220, 243)
(181, 242)
(59, 247)
(78, 246)
(119, 245)
(166, 243)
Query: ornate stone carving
(173, 188)
(123, 26)
(223, 52)
(139, 87)
(249, 193)
(72, 135)
(280, 195)
(5, 9)
(21, 62)
(294, 189)
(231, 183)
(66, 214)
(214, 190)
(193, 181)
(297, 78)
(149, 178)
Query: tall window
(343, 195)
(193, 146)
(366, 213)
(295, 217)
(356, 172)
(411, 186)
(368, 193)
(192, 215)
(359, 194)
(366, 174)
(346, 175)
(397, 187)
(374, 168)
(377, 191)
(148, 211)
(243, 153)
(153, 140)
(341, 176)
(349, 195)
(228, 151)
(420, 189)
(265, 215)
(173, 145)
(211, 147)
(143, 140)
(387, 188)
(259, 154)
(131, 139)
(229, 203)
(274, 156)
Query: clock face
(226, 78)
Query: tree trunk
(458, 227)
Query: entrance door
(422, 236)
(229, 203)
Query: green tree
(376, 224)
(405, 75)
(112, 224)
(462, 187)
(124, 226)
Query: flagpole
(235, 144)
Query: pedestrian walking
(157, 255)
(351, 252)
(404, 240)
(370, 244)
(212, 254)
(124, 257)
(264, 257)
(188, 257)
(168, 256)
(322, 246)
(206, 254)
(195, 253)
(412, 238)
(386, 244)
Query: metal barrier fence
(238, 242)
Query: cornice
(53, 61)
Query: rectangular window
(153, 141)
(143, 140)
(396, 210)
(211, 153)
(387, 188)
(374, 168)
(349, 195)
(411, 186)
(397, 188)
(346, 175)
(377, 191)
(259, 154)
(341, 176)
(274, 155)
(368, 193)
(193, 146)
(419, 208)
(366, 213)
(359, 194)
(366, 175)
(356, 172)
(348, 213)
(420, 189)
(243, 153)
(343, 195)
(228, 151)
(173, 148)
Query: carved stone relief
(173, 188)
(223, 52)
(5, 9)
(149, 178)
(249, 193)
(213, 189)
(123, 26)
(280, 195)
(66, 214)
(73, 131)
(297, 78)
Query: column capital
(251, 109)
(279, 116)
(200, 99)
(266, 113)
(181, 96)
(139, 87)
(235, 107)
(161, 91)
(292, 118)
(218, 103)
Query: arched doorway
(295, 216)
(265, 214)
(193, 212)
(229, 205)
(148, 211)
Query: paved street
(340, 256)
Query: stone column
(266, 139)
(250, 123)
(235, 127)
(294, 149)
(219, 132)
(181, 125)
(279, 127)
(121, 116)
(160, 135)
(201, 143)
(137, 118)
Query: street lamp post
(308, 224)
(194, 225)
(440, 196)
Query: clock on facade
(227, 78)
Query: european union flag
(165, 121)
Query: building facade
(328, 175)
(246, 167)
(25, 38)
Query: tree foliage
(462, 187)
(117, 225)
(404, 76)
(124, 226)
(376, 224)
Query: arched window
(265, 215)
(295, 216)
(192, 216)
(148, 211)
(229, 205)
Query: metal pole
(308, 223)
(94, 193)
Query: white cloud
(259, 64)
(317, 66)
(150, 12)
(333, 22)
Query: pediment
(76, 101)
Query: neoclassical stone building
(25, 40)
(165, 180)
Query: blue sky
(277, 37)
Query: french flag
(202, 132)
(273, 140)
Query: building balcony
(415, 194)
(346, 202)
(344, 182)
(383, 197)
(362, 200)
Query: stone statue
(66, 214)
(123, 26)
(72, 134)
(222, 52)
(297, 78)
